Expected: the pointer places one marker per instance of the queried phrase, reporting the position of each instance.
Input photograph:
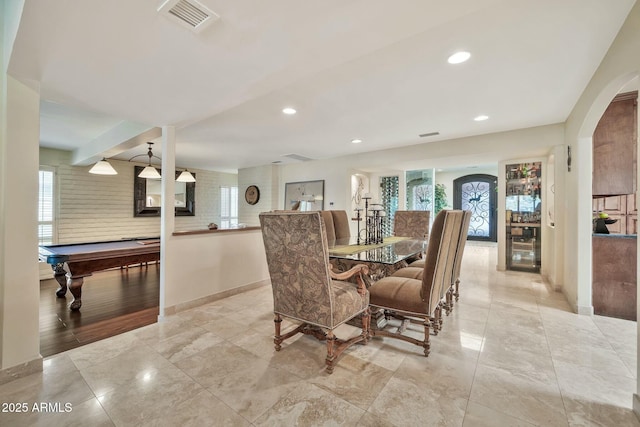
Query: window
(46, 206)
(228, 207)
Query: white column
(167, 220)
(19, 277)
(581, 172)
(636, 397)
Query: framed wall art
(304, 195)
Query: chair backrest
(464, 232)
(341, 224)
(457, 217)
(411, 224)
(438, 265)
(327, 217)
(298, 258)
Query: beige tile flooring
(511, 354)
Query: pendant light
(149, 172)
(186, 176)
(103, 167)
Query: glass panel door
(477, 193)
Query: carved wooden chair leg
(277, 339)
(426, 344)
(331, 356)
(457, 294)
(435, 320)
(366, 326)
(440, 318)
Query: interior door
(477, 193)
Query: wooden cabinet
(623, 208)
(614, 276)
(632, 224)
(614, 147)
(632, 214)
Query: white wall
(620, 65)
(266, 178)
(100, 207)
(19, 290)
(476, 150)
(211, 263)
(535, 142)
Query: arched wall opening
(585, 156)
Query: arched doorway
(477, 193)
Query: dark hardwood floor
(113, 302)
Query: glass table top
(391, 251)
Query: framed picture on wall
(304, 195)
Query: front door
(477, 193)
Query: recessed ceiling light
(356, 141)
(458, 57)
(481, 118)
(289, 110)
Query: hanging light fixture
(103, 167)
(186, 176)
(149, 172)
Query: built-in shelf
(523, 199)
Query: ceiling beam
(122, 137)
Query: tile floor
(511, 354)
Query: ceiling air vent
(424, 135)
(297, 157)
(188, 13)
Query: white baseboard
(584, 310)
(168, 311)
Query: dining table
(383, 258)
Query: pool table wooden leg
(75, 287)
(60, 275)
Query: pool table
(71, 263)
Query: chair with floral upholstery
(413, 224)
(419, 300)
(305, 289)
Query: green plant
(441, 198)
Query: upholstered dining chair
(305, 289)
(341, 224)
(455, 279)
(413, 224)
(414, 300)
(416, 269)
(327, 217)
